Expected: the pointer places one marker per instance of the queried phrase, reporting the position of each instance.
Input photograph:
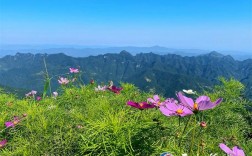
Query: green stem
(4, 129)
(202, 143)
(184, 129)
(203, 150)
(198, 149)
(192, 140)
(179, 118)
(48, 81)
(199, 142)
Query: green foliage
(82, 121)
(229, 89)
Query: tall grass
(82, 121)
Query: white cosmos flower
(100, 88)
(189, 91)
(55, 94)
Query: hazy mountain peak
(215, 54)
(18, 54)
(229, 57)
(124, 52)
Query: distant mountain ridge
(81, 51)
(162, 73)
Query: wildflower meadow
(108, 119)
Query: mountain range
(82, 51)
(163, 74)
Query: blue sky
(201, 24)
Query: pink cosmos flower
(236, 151)
(27, 95)
(3, 143)
(172, 109)
(74, 70)
(155, 101)
(12, 123)
(115, 89)
(140, 105)
(63, 81)
(171, 100)
(201, 103)
(31, 93)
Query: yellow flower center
(179, 111)
(1, 145)
(15, 122)
(195, 106)
(141, 104)
(159, 103)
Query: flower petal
(225, 148)
(237, 151)
(165, 111)
(133, 104)
(172, 106)
(3, 143)
(205, 105)
(186, 112)
(188, 102)
(151, 100)
(202, 98)
(9, 124)
(146, 105)
(218, 101)
(156, 98)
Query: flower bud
(203, 124)
(79, 126)
(38, 98)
